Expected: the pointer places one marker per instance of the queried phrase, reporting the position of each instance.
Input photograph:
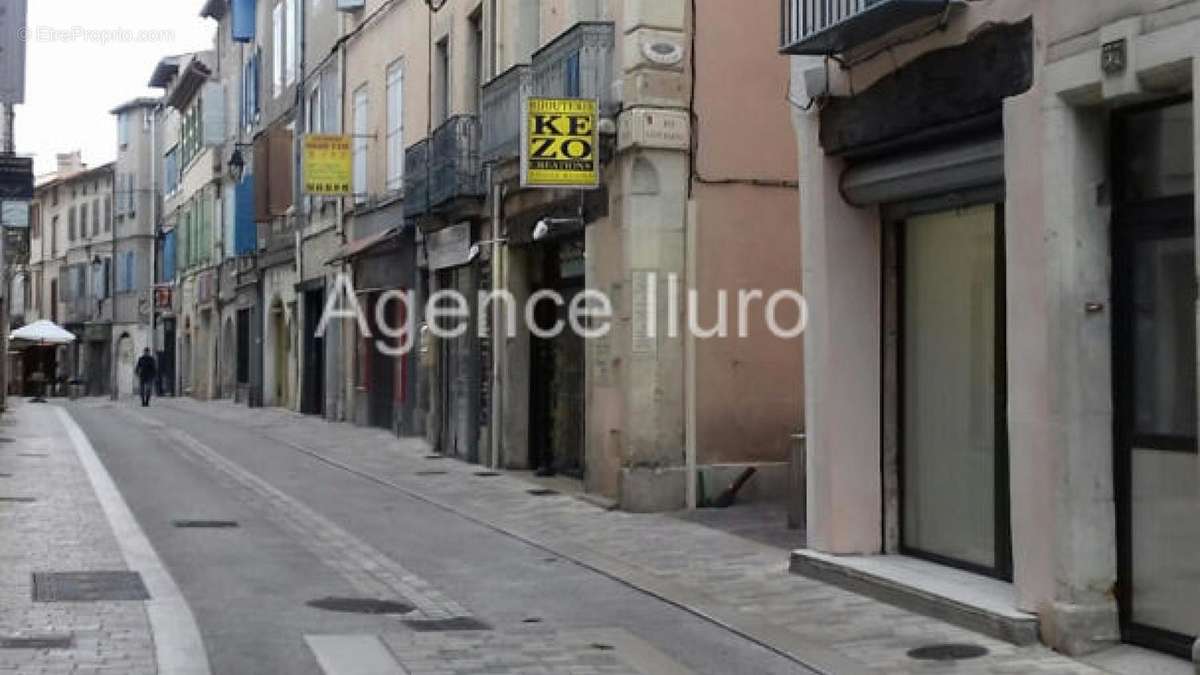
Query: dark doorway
(1156, 465)
(312, 399)
(380, 373)
(556, 406)
(166, 359)
(243, 346)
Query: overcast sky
(87, 56)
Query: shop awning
(360, 246)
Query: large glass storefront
(1155, 366)
(954, 470)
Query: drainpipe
(499, 337)
(689, 363)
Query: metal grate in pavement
(431, 472)
(18, 500)
(486, 474)
(37, 642)
(7, 440)
(948, 652)
(205, 524)
(88, 587)
(361, 606)
(542, 492)
(459, 623)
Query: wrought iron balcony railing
(501, 119)
(818, 27)
(454, 167)
(578, 64)
(416, 178)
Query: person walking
(147, 372)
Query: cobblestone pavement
(738, 582)
(64, 530)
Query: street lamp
(237, 165)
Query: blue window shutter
(168, 253)
(245, 234)
(243, 20)
(572, 84)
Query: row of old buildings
(216, 257)
(996, 211)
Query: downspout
(499, 336)
(299, 202)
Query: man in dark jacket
(146, 371)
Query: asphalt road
(248, 586)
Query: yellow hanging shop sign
(327, 165)
(560, 148)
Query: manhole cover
(947, 652)
(88, 587)
(213, 524)
(486, 474)
(37, 642)
(460, 623)
(542, 492)
(18, 500)
(361, 606)
(431, 472)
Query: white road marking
(353, 655)
(178, 647)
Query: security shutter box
(964, 168)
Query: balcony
(821, 27)
(454, 168)
(502, 98)
(416, 178)
(578, 64)
(443, 169)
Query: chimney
(70, 162)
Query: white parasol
(44, 333)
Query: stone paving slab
(742, 584)
(64, 530)
(530, 652)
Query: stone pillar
(652, 200)
(1080, 414)
(842, 273)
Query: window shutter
(243, 21)
(280, 171)
(262, 195)
(213, 114)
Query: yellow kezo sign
(560, 148)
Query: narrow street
(308, 530)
